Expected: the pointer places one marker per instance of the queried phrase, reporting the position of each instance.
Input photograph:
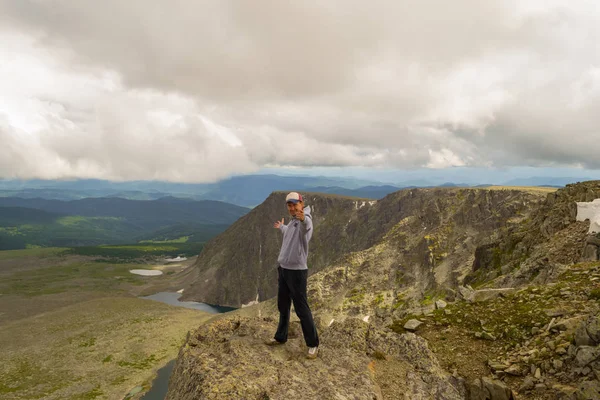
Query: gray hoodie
(296, 235)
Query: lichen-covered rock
(591, 252)
(586, 355)
(412, 325)
(440, 304)
(490, 294)
(217, 363)
(592, 327)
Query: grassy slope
(29, 253)
(65, 231)
(530, 189)
(98, 349)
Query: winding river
(160, 385)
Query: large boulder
(588, 332)
(489, 389)
(490, 294)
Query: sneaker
(273, 342)
(312, 352)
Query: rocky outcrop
(489, 389)
(228, 360)
(400, 257)
(416, 263)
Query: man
(293, 274)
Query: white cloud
(198, 91)
(65, 123)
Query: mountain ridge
(342, 226)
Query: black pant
(292, 287)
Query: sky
(196, 91)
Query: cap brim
(293, 201)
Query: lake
(173, 299)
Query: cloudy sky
(199, 90)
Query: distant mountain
(68, 194)
(416, 183)
(148, 214)
(247, 191)
(454, 185)
(254, 189)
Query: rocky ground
(538, 342)
(542, 341)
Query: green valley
(72, 325)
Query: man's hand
(300, 215)
(278, 224)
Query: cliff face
(427, 236)
(541, 246)
(240, 265)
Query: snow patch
(366, 319)
(591, 211)
(251, 303)
(146, 272)
(180, 291)
(331, 322)
(361, 204)
(176, 259)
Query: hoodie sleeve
(283, 228)
(307, 226)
